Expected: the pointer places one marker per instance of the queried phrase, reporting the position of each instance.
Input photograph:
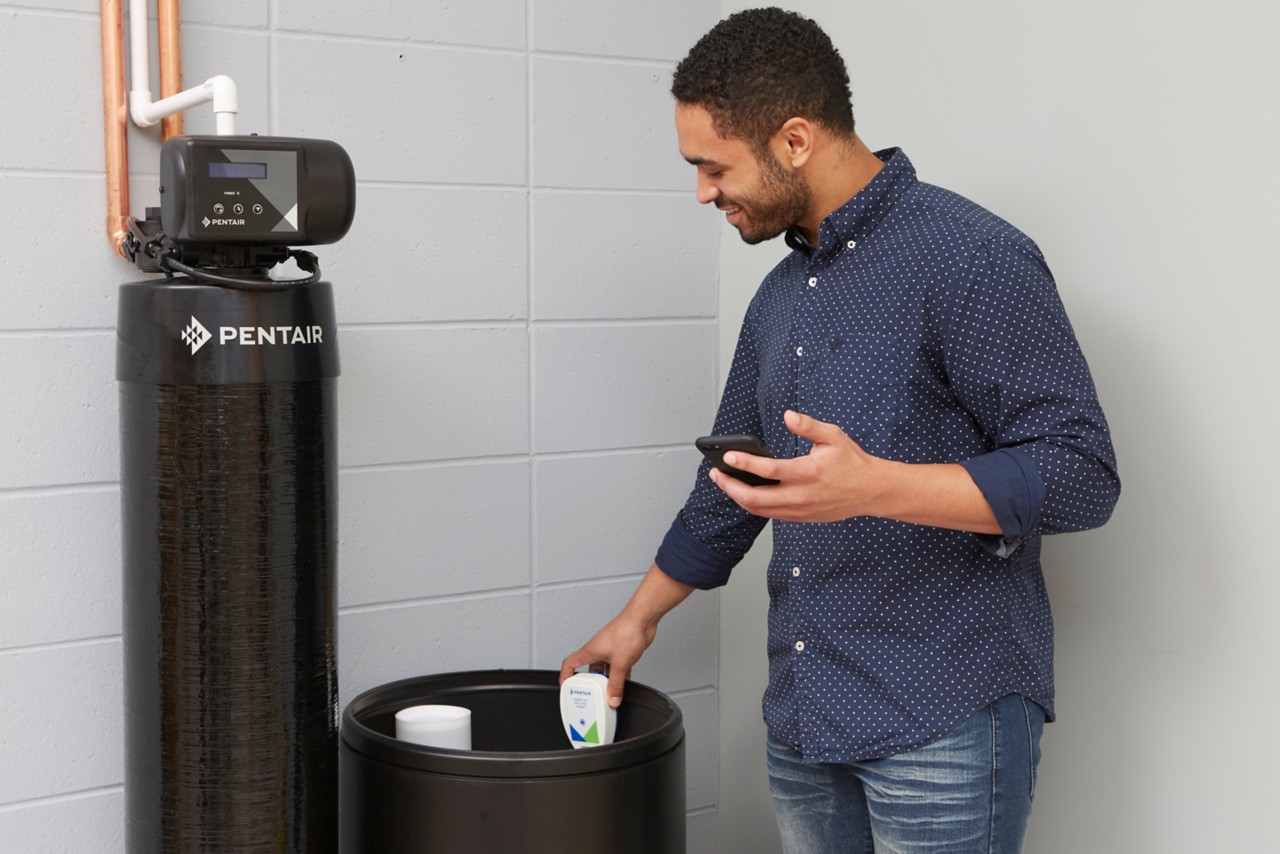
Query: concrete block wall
(527, 306)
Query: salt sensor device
(584, 709)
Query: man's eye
(715, 174)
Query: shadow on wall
(1135, 603)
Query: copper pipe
(169, 24)
(115, 116)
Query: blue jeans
(969, 792)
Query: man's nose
(707, 190)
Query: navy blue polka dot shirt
(930, 331)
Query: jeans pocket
(1035, 728)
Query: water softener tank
(228, 484)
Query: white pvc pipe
(139, 52)
(219, 89)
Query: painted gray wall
(528, 324)
(1134, 140)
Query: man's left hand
(834, 481)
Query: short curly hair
(759, 67)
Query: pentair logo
(196, 335)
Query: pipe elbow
(226, 103)
(118, 234)
(225, 96)
(140, 108)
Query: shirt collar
(859, 216)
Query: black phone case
(714, 447)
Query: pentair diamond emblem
(196, 335)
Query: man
(912, 370)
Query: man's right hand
(618, 646)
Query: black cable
(307, 261)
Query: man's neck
(838, 171)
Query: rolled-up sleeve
(1012, 486)
(711, 534)
(1015, 362)
(684, 558)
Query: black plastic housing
(255, 190)
(522, 788)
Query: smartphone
(713, 448)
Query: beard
(779, 203)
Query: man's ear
(794, 141)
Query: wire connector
(239, 267)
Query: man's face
(760, 196)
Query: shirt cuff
(1012, 486)
(687, 560)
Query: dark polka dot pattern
(931, 331)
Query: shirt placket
(805, 355)
(804, 343)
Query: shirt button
(813, 282)
(852, 243)
(799, 646)
(799, 351)
(795, 570)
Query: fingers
(737, 490)
(754, 499)
(617, 675)
(617, 678)
(573, 662)
(807, 427)
(763, 466)
(804, 426)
